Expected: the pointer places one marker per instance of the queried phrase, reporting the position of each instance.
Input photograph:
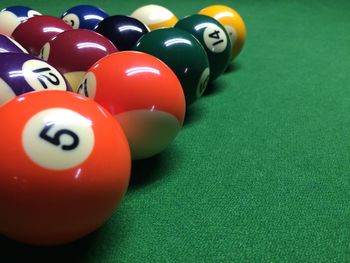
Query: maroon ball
(33, 33)
(73, 52)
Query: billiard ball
(33, 33)
(73, 52)
(123, 31)
(143, 94)
(65, 166)
(84, 16)
(233, 23)
(213, 37)
(9, 45)
(21, 73)
(155, 16)
(12, 16)
(183, 53)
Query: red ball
(73, 52)
(143, 94)
(65, 166)
(33, 33)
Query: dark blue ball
(123, 31)
(22, 12)
(11, 17)
(84, 16)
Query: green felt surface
(260, 171)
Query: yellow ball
(155, 16)
(233, 23)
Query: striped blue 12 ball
(12, 16)
(84, 16)
(21, 73)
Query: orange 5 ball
(65, 166)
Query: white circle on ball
(87, 86)
(231, 33)
(72, 20)
(42, 76)
(58, 138)
(203, 82)
(215, 38)
(32, 13)
(45, 52)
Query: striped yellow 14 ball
(233, 23)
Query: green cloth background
(261, 169)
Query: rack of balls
(87, 93)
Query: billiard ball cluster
(83, 95)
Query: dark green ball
(213, 37)
(183, 54)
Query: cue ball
(155, 16)
(21, 73)
(84, 16)
(65, 166)
(12, 16)
(213, 37)
(73, 52)
(233, 23)
(143, 94)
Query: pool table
(260, 171)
